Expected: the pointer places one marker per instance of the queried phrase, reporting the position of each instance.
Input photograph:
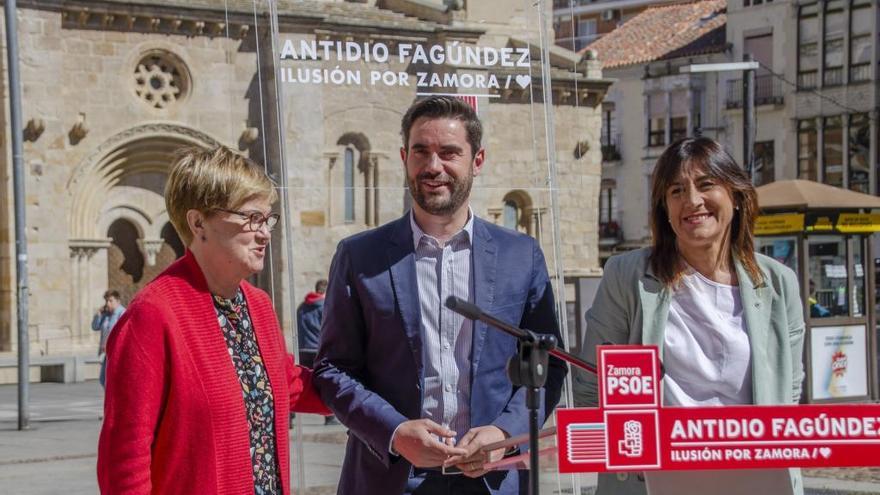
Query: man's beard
(435, 204)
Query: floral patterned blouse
(235, 322)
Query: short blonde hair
(205, 179)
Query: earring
(204, 238)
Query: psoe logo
(633, 439)
(631, 445)
(629, 377)
(838, 363)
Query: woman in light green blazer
(728, 322)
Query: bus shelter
(824, 234)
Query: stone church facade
(111, 89)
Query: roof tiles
(665, 31)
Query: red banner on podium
(632, 431)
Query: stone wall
(516, 161)
(85, 73)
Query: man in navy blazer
(419, 386)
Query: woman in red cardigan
(199, 384)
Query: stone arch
(122, 180)
(359, 142)
(359, 189)
(145, 149)
(520, 202)
(519, 212)
(138, 218)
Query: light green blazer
(632, 305)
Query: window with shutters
(678, 115)
(808, 46)
(859, 137)
(808, 145)
(861, 24)
(832, 151)
(835, 26)
(657, 119)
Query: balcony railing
(833, 77)
(610, 233)
(808, 79)
(768, 91)
(610, 147)
(859, 73)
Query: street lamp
(18, 180)
(748, 66)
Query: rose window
(160, 80)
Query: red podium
(632, 431)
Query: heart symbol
(825, 451)
(523, 81)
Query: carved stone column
(88, 280)
(150, 249)
(373, 191)
(331, 157)
(369, 191)
(494, 215)
(537, 219)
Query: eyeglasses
(255, 219)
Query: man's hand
(424, 443)
(471, 464)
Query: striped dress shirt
(443, 270)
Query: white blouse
(707, 359)
(706, 352)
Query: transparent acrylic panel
(335, 87)
(246, 72)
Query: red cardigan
(174, 415)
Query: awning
(805, 195)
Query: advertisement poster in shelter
(839, 365)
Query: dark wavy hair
(444, 107)
(709, 157)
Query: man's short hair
(206, 179)
(444, 107)
(321, 286)
(112, 293)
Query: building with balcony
(835, 106)
(816, 91)
(652, 104)
(816, 96)
(821, 58)
(761, 29)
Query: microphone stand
(527, 369)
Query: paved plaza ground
(57, 455)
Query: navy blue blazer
(369, 368)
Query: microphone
(464, 308)
(473, 312)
